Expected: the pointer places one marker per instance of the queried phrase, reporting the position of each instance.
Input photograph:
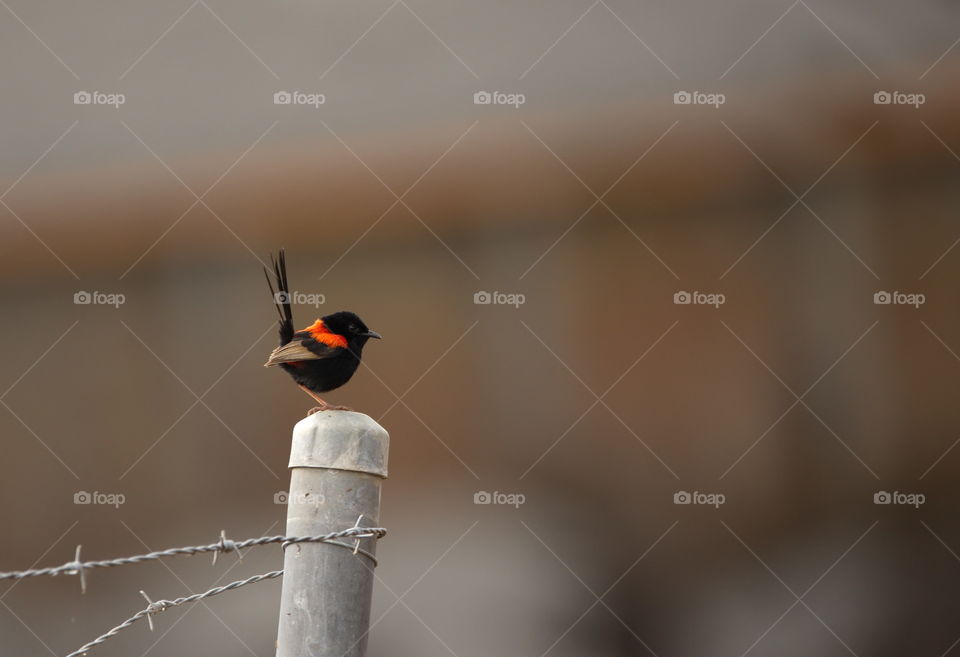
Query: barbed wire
(162, 605)
(77, 567)
(224, 545)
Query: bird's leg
(313, 394)
(324, 406)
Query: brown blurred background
(598, 199)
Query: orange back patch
(319, 332)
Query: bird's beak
(372, 334)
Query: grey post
(337, 462)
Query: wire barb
(226, 545)
(356, 545)
(76, 568)
(150, 609)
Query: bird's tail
(281, 297)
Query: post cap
(340, 440)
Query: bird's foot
(328, 407)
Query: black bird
(323, 356)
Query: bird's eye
(353, 328)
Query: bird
(323, 356)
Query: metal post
(338, 461)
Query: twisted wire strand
(222, 546)
(163, 605)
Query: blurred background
(702, 478)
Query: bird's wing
(298, 350)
